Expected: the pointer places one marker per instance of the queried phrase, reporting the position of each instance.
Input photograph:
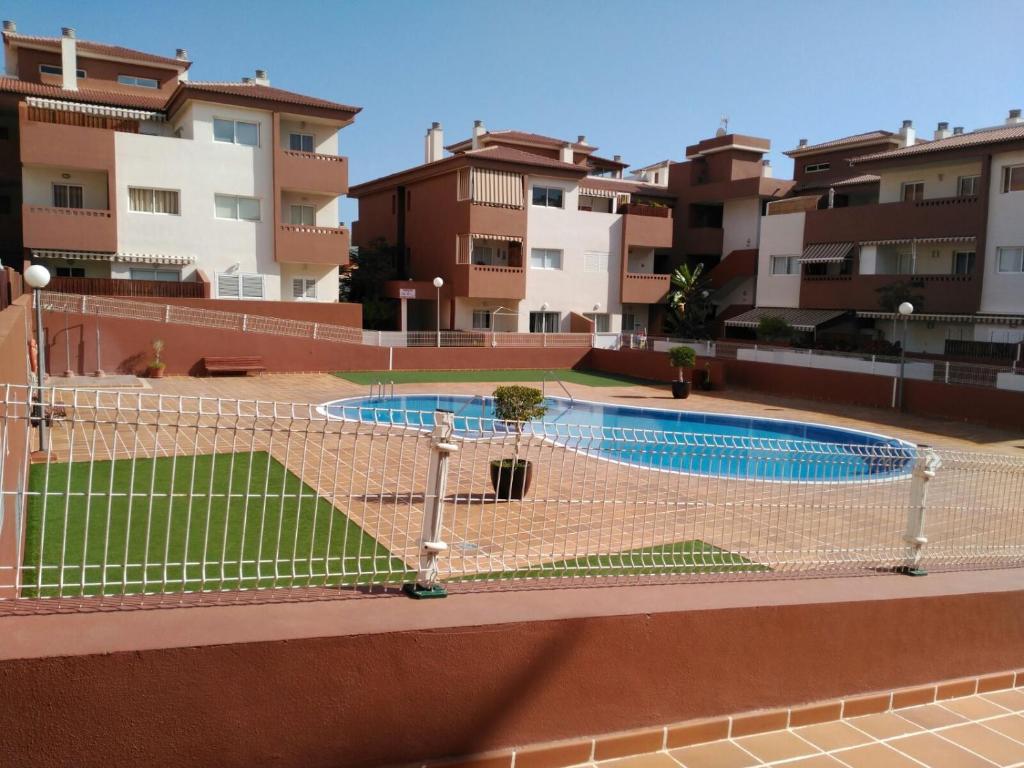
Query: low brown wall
(486, 358)
(651, 366)
(392, 697)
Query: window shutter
(227, 286)
(252, 286)
(297, 288)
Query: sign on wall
(407, 293)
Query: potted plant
(156, 366)
(705, 383)
(514, 406)
(682, 358)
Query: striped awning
(131, 258)
(591, 192)
(908, 240)
(932, 317)
(502, 238)
(94, 109)
(799, 319)
(823, 253)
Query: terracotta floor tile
(1012, 700)
(875, 756)
(931, 716)
(717, 754)
(816, 761)
(829, 736)
(781, 745)
(884, 725)
(989, 744)
(935, 752)
(1011, 725)
(654, 760)
(974, 707)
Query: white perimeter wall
(1002, 292)
(574, 232)
(781, 235)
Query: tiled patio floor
(972, 732)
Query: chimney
(181, 54)
(581, 139)
(942, 131)
(958, 130)
(803, 143)
(617, 158)
(433, 145)
(10, 26)
(908, 134)
(68, 59)
(261, 77)
(1014, 118)
(565, 153)
(478, 132)
(10, 52)
(766, 168)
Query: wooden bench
(247, 365)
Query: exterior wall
(376, 220)
(325, 135)
(840, 167)
(921, 338)
(14, 369)
(781, 235)
(37, 186)
(574, 232)
(940, 179)
(1001, 292)
(741, 221)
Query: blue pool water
(678, 441)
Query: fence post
(167, 313)
(925, 467)
(947, 371)
(245, 322)
(431, 546)
(316, 327)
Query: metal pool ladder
(556, 378)
(378, 389)
(483, 408)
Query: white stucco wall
(37, 185)
(940, 179)
(574, 232)
(741, 221)
(1002, 292)
(781, 235)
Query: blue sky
(641, 78)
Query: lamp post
(906, 309)
(438, 282)
(38, 277)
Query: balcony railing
(302, 244)
(953, 294)
(920, 219)
(103, 286)
(638, 209)
(644, 287)
(77, 229)
(312, 172)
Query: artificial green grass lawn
(226, 524)
(590, 378)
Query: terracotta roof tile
(857, 138)
(525, 136)
(964, 140)
(257, 91)
(624, 185)
(152, 101)
(509, 155)
(100, 49)
(864, 178)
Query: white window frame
(1007, 171)
(237, 217)
(310, 136)
(153, 190)
(303, 207)
(154, 271)
(547, 195)
(593, 316)
(140, 82)
(307, 288)
(234, 131)
(239, 279)
(57, 69)
(975, 181)
(546, 253)
(970, 257)
(817, 167)
(53, 194)
(903, 191)
(478, 323)
(1007, 250)
(596, 262)
(792, 266)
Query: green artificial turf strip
(677, 558)
(590, 378)
(157, 512)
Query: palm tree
(688, 302)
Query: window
(1013, 178)
(1010, 259)
(163, 275)
(545, 258)
(302, 215)
(481, 319)
(236, 132)
(142, 82)
(304, 288)
(235, 207)
(544, 322)
(70, 271)
(817, 167)
(57, 69)
(595, 261)
(963, 262)
(912, 190)
(601, 321)
(67, 196)
(657, 177)
(967, 186)
(629, 323)
(785, 265)
(144, 200)
(300, 142)
(489, 255)
(239, 286)
(550, 197)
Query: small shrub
(682, 357)
(773, 328)
(515, 404)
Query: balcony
(947, 294)
(69, 139)
(644, 287)
(103, 286)
(700, 241)
(492, 282)
(646, 226)
(312, 172)
(299, 244)
(69, 229)
(938, 217)
(738, 265)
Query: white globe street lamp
(37, 277)
(438, 282)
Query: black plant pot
(680, 389)
(511, 478)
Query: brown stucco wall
(391, 697)
(13, 370)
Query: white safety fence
(141, 498)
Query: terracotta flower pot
(156, 371)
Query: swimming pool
(713, 444)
